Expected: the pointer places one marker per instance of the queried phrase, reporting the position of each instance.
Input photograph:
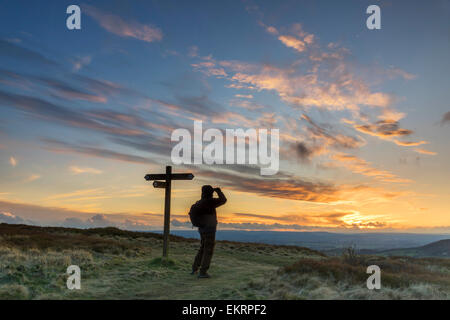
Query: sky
(363, 115)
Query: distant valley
(330, 243)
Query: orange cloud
(33, 177)
(245, 96)
(293, 42)
(337, 220)
(409, 143)
(209, 67)
(299, 41)
(78, 170)
(272, 30)
(360, 166)
(341, 93)
(390, 130)
(384, 128)
(423, 151)
(122, 28)
(13, 161)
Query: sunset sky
(364, 115)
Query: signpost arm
(167, 210)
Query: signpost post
(167, 185)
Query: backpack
(197, 215)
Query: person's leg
(199, 256)
(208, 250)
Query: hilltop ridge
(438, 249)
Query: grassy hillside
(438, 249)
(118, 264)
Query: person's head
(207, 192)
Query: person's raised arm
(221, 198)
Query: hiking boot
(193, 272)
(203, 275)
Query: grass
(345, 278)
(118, 264)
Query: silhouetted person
(207, 209)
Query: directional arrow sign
(159, 184)
(174, 176)
(182, 176)
(149, 177)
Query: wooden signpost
(167, 184)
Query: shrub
(14, 292)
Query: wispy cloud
(75, 194)
(46, 110)
(324, 138)
(8, 217)
(336, 219)
(200, 105)
(335, 87)
(22, 213)
(209, 67)
(445, 118)
(287, 186)
(242, 102)
(298, 39)
(12, 50)
(13, 161)
(33, 177)
(257, 226)
(245, 96)
(80, 62)
(384, 129)
(424, 151)
(68, 92)
(322, 218)
(360, 166)
(193, 51)
(292, 42)
(79, 170)
(55, 86)
(390, 130)
(63, 147)
(118, 26)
